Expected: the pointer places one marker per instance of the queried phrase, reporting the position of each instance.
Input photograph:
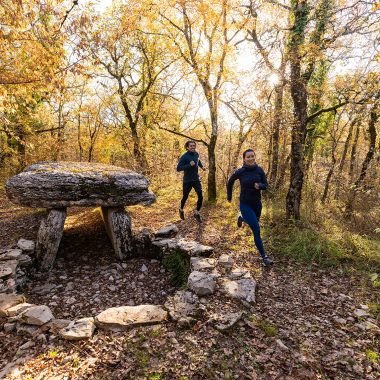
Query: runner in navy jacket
(252, 181)
(189, 163)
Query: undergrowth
(178, 265)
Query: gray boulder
(202, 284)
(65, 184)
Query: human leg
(185, 194)
(250, 218)
(198, 189)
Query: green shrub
(178, 265)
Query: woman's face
(250, 158)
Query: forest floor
(303, 325)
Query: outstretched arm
(230, 185)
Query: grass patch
(372, 356)
(305, 245)
(269, 329)
(178, 265)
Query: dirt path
(302, 327)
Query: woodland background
(128, 82)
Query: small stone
(112, 288)
(110, 278)
(9, 327)
(26, 345)
(11, 254)
(340, 321)
(201, 264)
(81, 329)
(202, 284)
(25, 261)
(37, 315)
(26, 330)
(5, 271)
(324, 291)
(226, 261)
(69, 286)
(56, 325)
(243, 289)
(26, 245)
(360, 313)
(225, 320)
(9, 300)
(281, 345)
(18, 309)
(42, 338)
(364, 307)
(167, 231)
(144, 268)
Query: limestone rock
(202, 284)
(81, 329)
(9, 327)
(243, 289)
(184, 308)
(118, 226)
(360, 313)
(121, 318)
(193, 248)
(55, 325)
(49, 237)
(18, 309)
(65, 184)
(226, 261)
(5, 271)
(142, 242)
(27, 330)
(37, 315)
(239, 273)
(11, 254)
(167, 231)
(9, 300)
(202, 264)
(26, 245)
(224, 321)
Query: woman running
(252, 181)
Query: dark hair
(247, 151)
(187, 143)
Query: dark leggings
(251, 215)
(187, 186)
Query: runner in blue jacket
(252, 181)
(189, 163)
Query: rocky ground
(307, 323)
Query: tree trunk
(298, 91)
(211, 181)
(137, 151)
(343, 158)
(353, 154)
(279, 91)
(374, 116)
(329, 175)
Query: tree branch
(182, 135)
(323, 110)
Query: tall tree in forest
(125, 44)
(275, 59)
(203, 32)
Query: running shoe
(267, 261)
(240, 221)
(182, 214)
(198, 217)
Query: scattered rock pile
(186, 307)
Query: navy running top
(248, 176)
(190, 172)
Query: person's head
(190, 145)
(249, 157)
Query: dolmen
(58, 185)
